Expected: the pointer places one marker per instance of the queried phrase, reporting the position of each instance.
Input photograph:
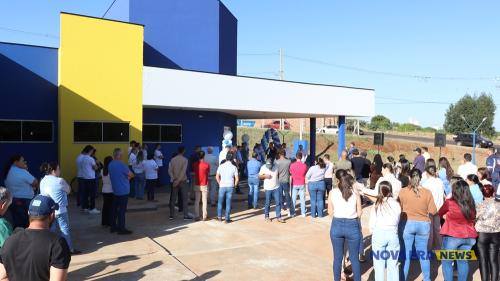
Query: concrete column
(341, 135)
(312, 139)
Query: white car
(330, 129)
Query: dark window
(115, 132)
(87, 132)
(151, 133)
(37, 131)
(171, 133)
(10, 131)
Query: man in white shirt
(213, 161)
(158, 155)
(387, 175)
(269, 173)
(81, 184)
(227, 178)
(467, 168)
(132, 158)
(88, 167)
(426, 153)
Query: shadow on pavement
(205, 276)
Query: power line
(257, 54)
(29, 32)
(108, 8)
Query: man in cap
(45, 255)
(419, 161)
(269, 173)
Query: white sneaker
(94, 211)
(303, 215)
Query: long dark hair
(444, 163)
(384, 191)
(105, 170)
(405, 167)
(377, 161)
(48, 168)
(473, 178)
(9, 164)
(415, 177)
(429, 162)
(431, 170)
(345, 186)
(460, 192)
(321, 163)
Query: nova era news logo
(425, 255)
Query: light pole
(473, 136)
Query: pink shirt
(298, 172)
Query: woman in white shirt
(345, 207)
(315, 181)
(107, 194)
(384, 221)
(435, 185)
(151, 172)
(139, 176)
(55, 187)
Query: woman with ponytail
(384, 220)
(55, 187)
(475, 187)
(417, 205)
(345, 208)
(458, 229)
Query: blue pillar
(341, 135)
(312, 139)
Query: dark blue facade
(28, 87)
(184, 34)
(203, 128)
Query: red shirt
(298, 172)
(201, 170)
(455, 224)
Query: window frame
(30, 120)
(102, 131)
(160, 127)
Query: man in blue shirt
(119, 175)
(253, 168)
(419, 162)
(493, 165)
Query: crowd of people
(418, 207)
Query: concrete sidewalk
(247, 249)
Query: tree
(380, 123)
(474, 109)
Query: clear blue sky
(422, 38)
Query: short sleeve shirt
(53, 187)
(158, 159)
(272, 183)
(253, 168)
(298, 171)
(201, 170)
(18, 182)
(118, 173)
(283, 166)
(227, 172)
(5, 230)
(151, 169)
(28, 254)
(87, 170)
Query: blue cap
(42, 206)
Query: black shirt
(28, 254)
(358, 164)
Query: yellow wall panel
(100, 79)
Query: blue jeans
(300, 190)
(385, 250)
(316, 192)
(140, 185)
(285, 190)
(228, 193)
(341, 231)
(119, 209)
(452, 243)
(418, 232)
(253, 192)
(62, 222)
(277, 200)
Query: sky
(419, 56)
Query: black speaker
(378, 138)
(439, 140)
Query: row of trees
(471, 108)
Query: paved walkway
(247, 249)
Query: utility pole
(282, 77)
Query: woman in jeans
(445, 173)
(22, 185)
(55, 187)
(140, 176)
(488, 228)
(315, 180)
(417, 205)
(436, 187)
(384, 220)
(345, 208)
(458, 229)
